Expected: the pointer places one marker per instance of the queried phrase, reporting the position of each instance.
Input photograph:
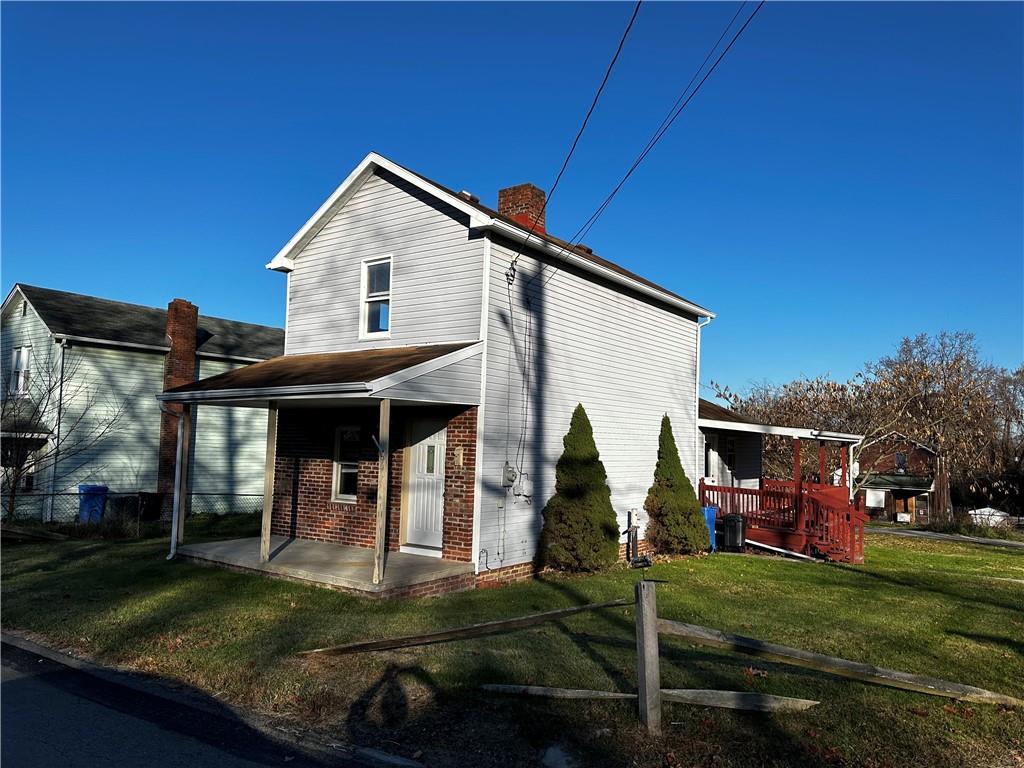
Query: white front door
(424, 477)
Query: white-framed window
(345, 483)
(375, 306)
(21, 369)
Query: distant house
(435, 350)
(897, 478)
(99, 365)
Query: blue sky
(852, 173)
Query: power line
(583, 127)
(510, 273)
(673, 114)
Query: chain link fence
(130, 515)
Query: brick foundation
(304, 474)
(643, 548)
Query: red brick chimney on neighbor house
(179, 368)
(524, 203)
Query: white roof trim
(768, 429)
(429, 366)
(284, 260)
(368, 389)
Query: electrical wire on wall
(511, 271)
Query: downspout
(56, 445)
(696, 403)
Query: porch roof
(899, 482)
(364, 373)
(713, 416)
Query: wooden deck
(330, 565)
(809, 518)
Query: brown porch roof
(321, 369)
(708, 410)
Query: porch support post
(821, 462)
(383, 452)
(181, 460)
(844, 466)
(268, 481)
(796, 461)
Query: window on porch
(346, 465)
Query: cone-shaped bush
(580, 532)
(675, 520)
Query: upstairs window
(376, 300)
(21, 367)
(901, 461)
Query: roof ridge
(134, 305)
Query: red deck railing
(820, 517)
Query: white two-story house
(434, 351)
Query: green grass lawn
(947, 610)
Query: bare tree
(934, 389)
(53, 417)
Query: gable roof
(482, 217)
(76, 316)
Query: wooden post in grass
(268, 481)
(647, 665)
(383, 450)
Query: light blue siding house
(85, 372)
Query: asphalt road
(913, 534)
(53, 715)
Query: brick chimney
(524, 203)
(179, 368)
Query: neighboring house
(794, 513)
(88, 369)
(434, 352)
(897, 479)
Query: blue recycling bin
(91, 501)
(710, 514)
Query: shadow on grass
(1014, 645)
(927, 585)
(240, 632)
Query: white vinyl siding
(455, 383)
(435, 290)
(230, 444)
(20, 326)
(23, 329)
(111, 419)
(626, 359)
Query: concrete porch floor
(333, 565)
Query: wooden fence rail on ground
(834, 666)
(464, 633)
(650, 694)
